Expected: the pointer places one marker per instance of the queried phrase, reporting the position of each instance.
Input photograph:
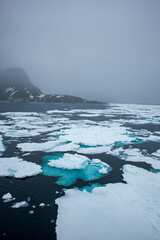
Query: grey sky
(105, 50)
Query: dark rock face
(15, 86)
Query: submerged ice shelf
(70, 167)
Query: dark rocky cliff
(15, 86)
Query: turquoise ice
(87, 170)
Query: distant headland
(15, 86)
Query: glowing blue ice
(67, 177)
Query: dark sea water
(19, 224)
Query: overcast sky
(105, 50)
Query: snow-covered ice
(116, 211)
(8, 197)
(135, 155)
(70, 161)
(16, 167)
(95, 135)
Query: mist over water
(98, 50)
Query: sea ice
(42, 204)
(115, 211)
(135, 155)
(16, 167)
(7, 197)
(70, 161)
(70, 167)
(20, 204)
(95, 135)
(49, 146)
(31, 212)
(2, 148)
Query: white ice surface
(16, 167)
(76, 161)
(70, 161)
(42, 204)
(31, 212)
(135, 155)
(89, 115)
(7, 197)
(117, 211)
(93, 135)
(20, 204)
(2, 148)
(48, 146)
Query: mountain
(15, 86)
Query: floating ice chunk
(7, 197)
(73, 167)
(48, 146)
(16, 167)
(18, 132)
(31, 212)
(135, 155)
(2, 148)
(93, 150)
(20, 204)
(70, 161)
(42, 204)
(115, 206)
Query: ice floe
(16, 167)
(8, 197)
(20, 204)
(116, 211)
(70, 161)
(135, 155)
(49, 146)
(70, 167)
(95, 135)
(42, 204)
(31, 212)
